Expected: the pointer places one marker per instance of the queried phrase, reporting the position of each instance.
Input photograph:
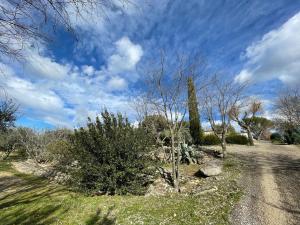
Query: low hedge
(237, 139)
(211, 139)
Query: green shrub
(237, 139)
(59, 150)
(276, 137)
(9, 142)
(296, 137)
(291, 136)
(112, 156)
(211, 139)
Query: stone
(212, 168)
(159, 188)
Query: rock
(159, 188)
(212, 168)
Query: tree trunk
(223, 145)
(250, 138)
(176, 186)
(177, 166)
(259, 135)
(174, 175)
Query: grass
(30, 200)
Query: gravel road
(271, 181)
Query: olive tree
(244, 114)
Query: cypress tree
(194, 118)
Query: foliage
(194, 118)
(211, 139)
(156, 126)
(244, 113)
(288, 136)
(276, 137)
(237, 139)
(9, 141)
(258, 125)
(112, 156)
(8, 110)
(219, 128)
(292, 136)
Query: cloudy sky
(64, 81)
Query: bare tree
(23, 21)
(218, 98)
(244, 114)
(288, 109)
(36, 143)
(166, 96)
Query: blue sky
(64, 81)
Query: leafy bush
(112, 156)
(237, 139)
(59, 150)
(9, 142)
(211, 139)
(296, 137)
(291, 136)
(276, 137)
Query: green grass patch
(26, 199)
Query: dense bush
(296, 136)
(292, 136)
(9, 142)
(236, 139)
(112, 156)
(276, 137)
(211, 139)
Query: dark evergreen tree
(194, 117)
(8, 111)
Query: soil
(271, 181)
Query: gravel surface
(271, 182)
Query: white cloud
(43, 66)
(63, 94)
(31, 95)
(243, 77)
(126, 57)
(117, 83)
(88, 70)
(275, 56)
(36, 101)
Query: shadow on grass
(30, 200)
(98, 219)
(40, 215)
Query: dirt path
(271, 178)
